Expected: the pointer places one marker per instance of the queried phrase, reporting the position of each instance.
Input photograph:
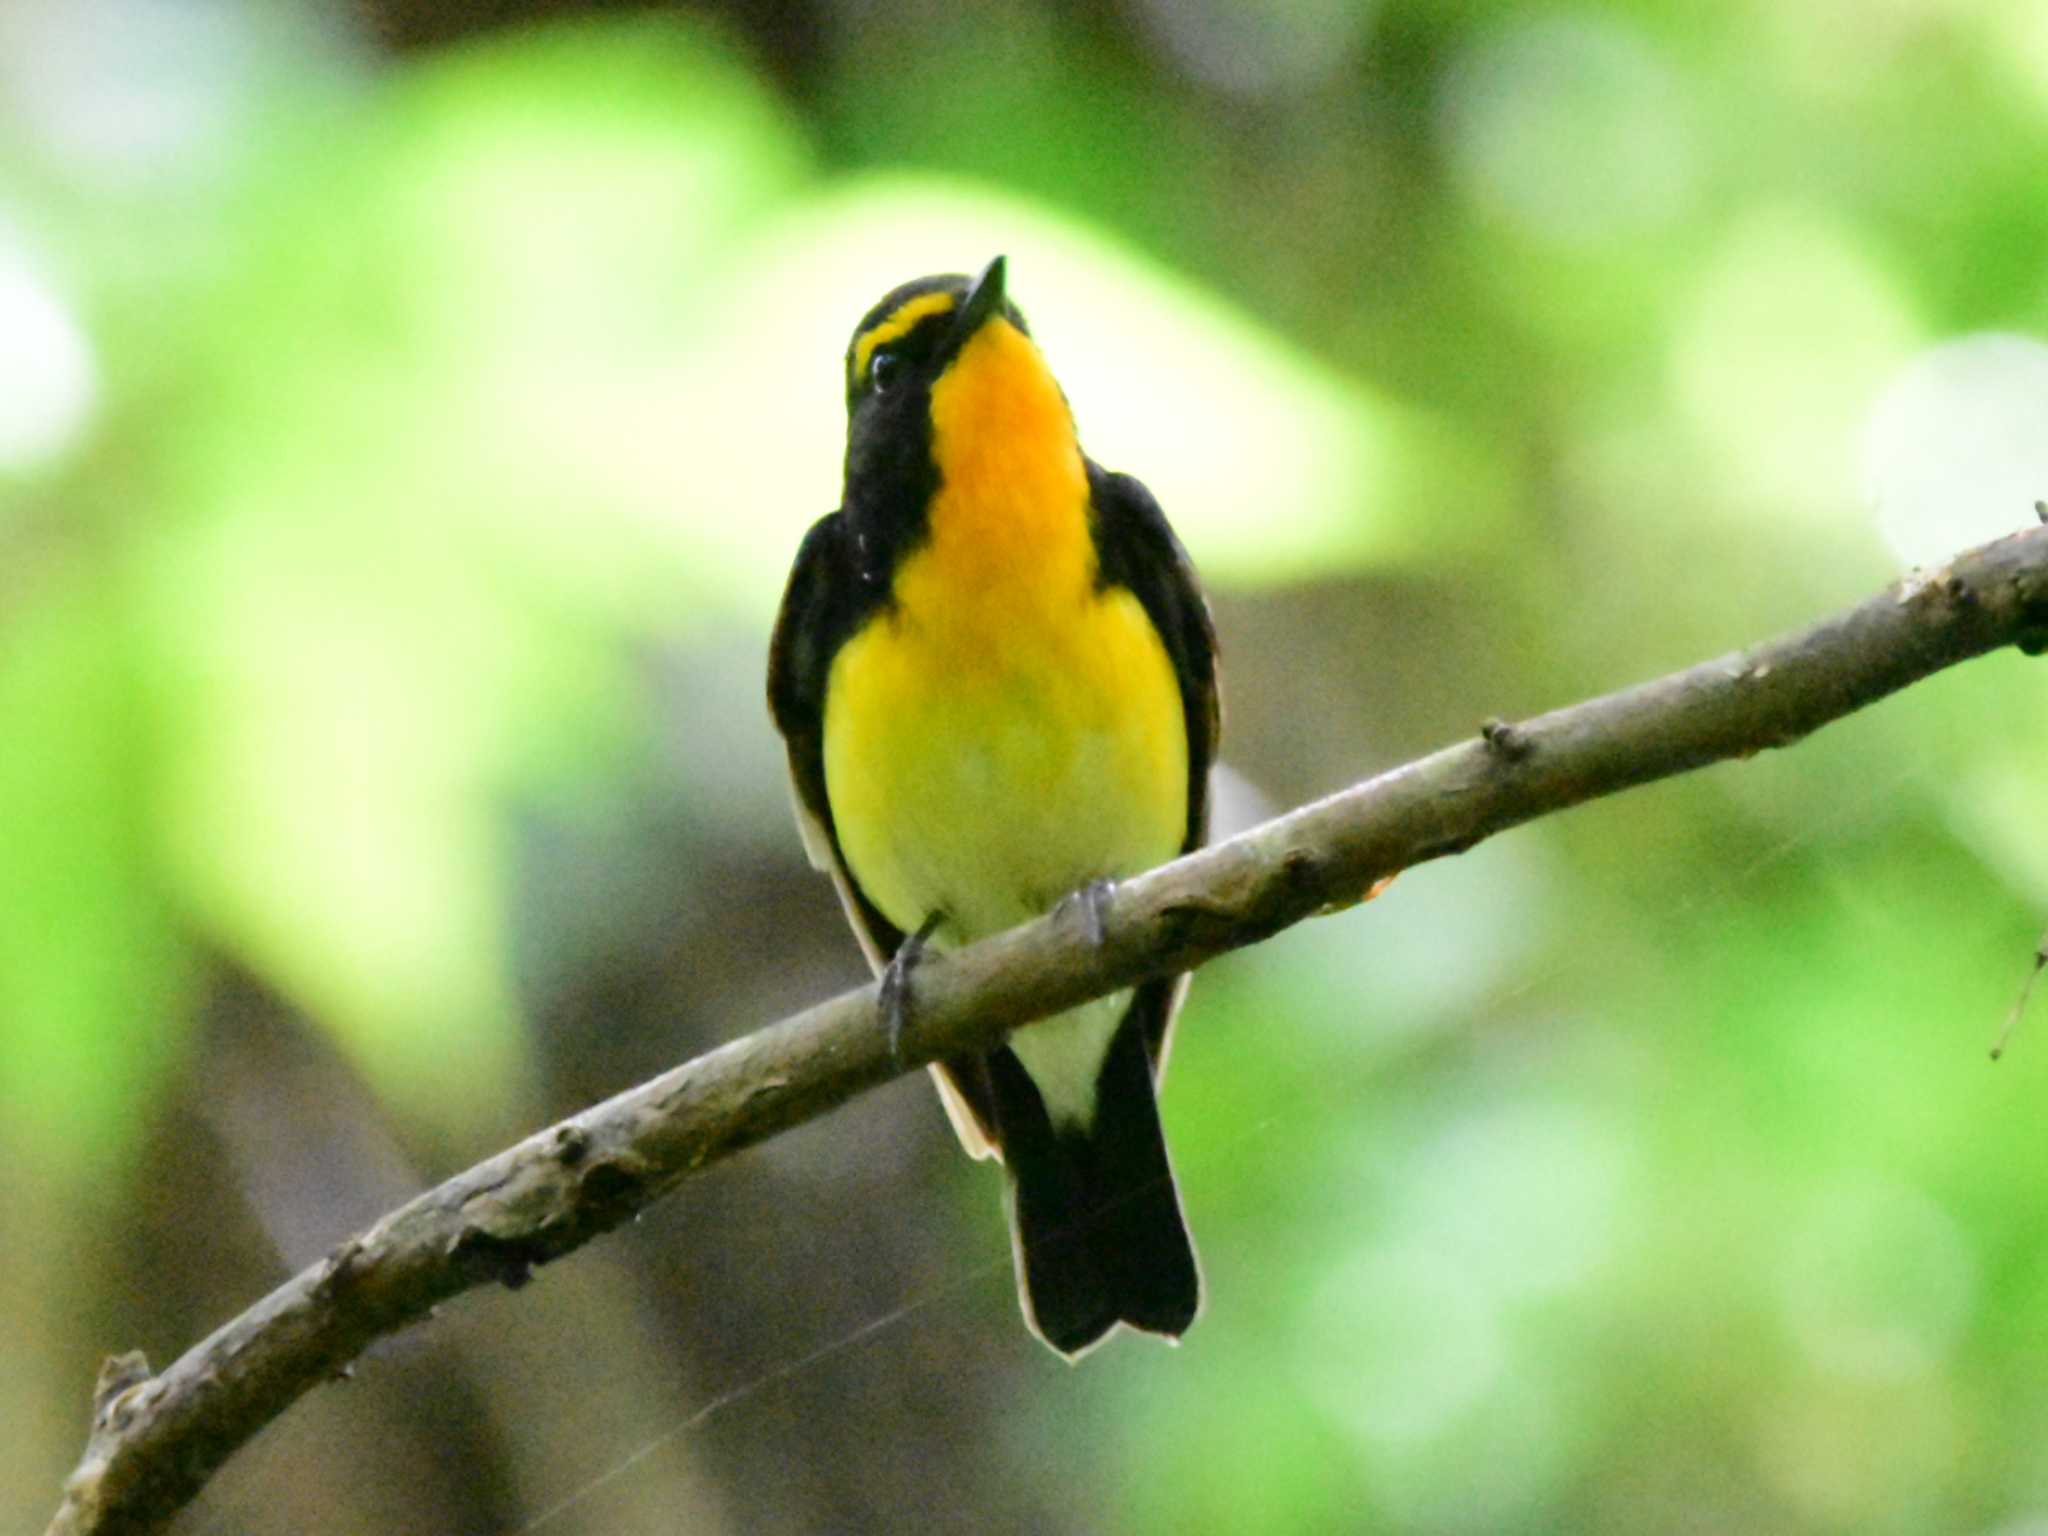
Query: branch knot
(1506, 743)
(119, 1379)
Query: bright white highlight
(49, 382)
(1956, 452)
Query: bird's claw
(1092, 900)
(893, 1001)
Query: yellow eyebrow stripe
(900, 321)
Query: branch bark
(157, 1438)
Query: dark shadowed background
(407, 412)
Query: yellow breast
(1004, 732)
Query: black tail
(1094, 1216)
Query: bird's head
(940, 350)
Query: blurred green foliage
(400, 452)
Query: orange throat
(1012, 505)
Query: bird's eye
(884, 370)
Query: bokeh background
(408, 409)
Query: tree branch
(156, 1439)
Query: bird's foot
(893, 1003)
(1092, 901)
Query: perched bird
(996, 679)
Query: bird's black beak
(984, 303)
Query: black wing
(1138, 550)
(821, 607)
(826, 601)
